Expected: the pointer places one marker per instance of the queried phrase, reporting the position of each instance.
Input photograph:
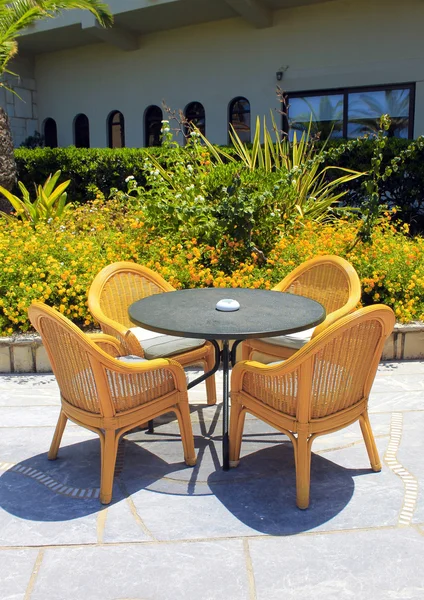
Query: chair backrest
(332, 372)
(89, 379)
(345, 359)
(120, 284)
(330, 280)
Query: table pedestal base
(227, 356)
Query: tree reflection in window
(366, 108)
(152, 126)
(50, 133)
(81, 131)
(116, 130)
(324, 112)
(195, 114)
(352, 112)
(239, 113)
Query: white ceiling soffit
(252, 11)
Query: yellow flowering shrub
(57, 262)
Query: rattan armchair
(330, 280)
(107, 395)
(114, 289)
(322, 388)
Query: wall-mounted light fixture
(279, 74)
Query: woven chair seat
(319, 389)
(119, 285)
(330, 280)
(107, 391)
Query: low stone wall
(26, 353)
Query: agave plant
(299, 161)
(49, 202)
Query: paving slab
(174, 531)
(184, 571)
(378, 565)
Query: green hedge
(107, 168)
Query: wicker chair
(322, 388)
(114, 289)
(330, 280)
(107, 395)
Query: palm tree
(15, 16)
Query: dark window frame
(111, 125)
(345, 91)
(230, 114)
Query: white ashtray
(227, 305)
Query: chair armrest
(111, 345)
(129, 342)
(148, 366)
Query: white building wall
(330, 45)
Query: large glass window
(152, 126)
(323, 112)
(352, 112)
(81, 131)
(50, 133)
(116, 130)
(366, 108)
(195, 114)
(239, 113)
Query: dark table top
(192, 313)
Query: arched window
(50, 133)
(152, 126)
(116, 130)
(81, 131)
(239, 117)
(195, 113)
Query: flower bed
(57, 262)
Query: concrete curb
(26, 353)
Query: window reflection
(240, 118)
(195, 114)
(116, 130)
(153, 126)
(352, 112)
(366, 108)
(325, 112)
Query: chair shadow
(262, 491)
(32, 489)
(259, 493)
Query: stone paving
(174, 532)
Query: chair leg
(302, 456)
(369, 441)
(109, 448)
(184, 421)
(237, 418)
(57, 437)
(210, 381)
(245, 351)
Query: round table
(193, 314)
